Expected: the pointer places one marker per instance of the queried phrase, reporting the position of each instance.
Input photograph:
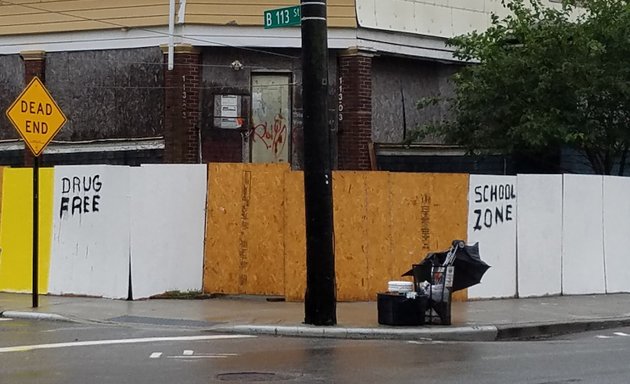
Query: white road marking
(5, 319)
(188, 352)
(155, 355)
(603, 337)
(24, 348)
(425, 341)
(213, 356)
(621, 334)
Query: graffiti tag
(80, 195)
(273, 137)
(501, 206)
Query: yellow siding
(23, 16)
(1, 177)
(26, 16)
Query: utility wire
(114, 24)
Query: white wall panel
(492, 223)
(167, 228)
(90, 248)
(617, 233)
(582, 235)
(539, 231)
(437, 18)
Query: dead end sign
(36, 116)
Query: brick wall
(355, 110)
(182, 107)
(223, 146)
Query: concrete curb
(24, 315)
(466, 333)
(543, 330)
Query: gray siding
(11, 84)
(108, 94)
(397, 86)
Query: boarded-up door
(271, 118)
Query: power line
(114, 24)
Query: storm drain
(254, 376)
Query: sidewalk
(483, 320)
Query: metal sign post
(35, 231)
(37, 118)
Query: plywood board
(492, 223)
(410, 216)
(167, 228)
(244, 249)
(262, 230)
(582, 235)
(223, 228)
(295, 237)
(350, 229)
(378, 232)
(90, 249)
(16, 231)
(539, 231)
(616, 233)
(448, 214)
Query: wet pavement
(471, 320)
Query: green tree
(541, 77)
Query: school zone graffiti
(500, 200)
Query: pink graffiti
(273, 138)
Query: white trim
(338, 38)
(85, 147)
(84, 41)
(405, 44)
(237, 36)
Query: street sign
(283, 17)
(36, 116)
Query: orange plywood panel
(261, 256)
(295, 237)
(412, 238)
(350, 217)
(379, 234)
(450, 211)
(223, 228)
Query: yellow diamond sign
(36, 116)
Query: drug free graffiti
(494, 204)
(80, 195)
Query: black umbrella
(469, 268)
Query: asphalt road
(55, 353)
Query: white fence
(568, 234)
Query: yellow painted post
(16, 229)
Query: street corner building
(189, 178)
(234, 92)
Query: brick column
(182, 105)
(355, 109)
(34, 66)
